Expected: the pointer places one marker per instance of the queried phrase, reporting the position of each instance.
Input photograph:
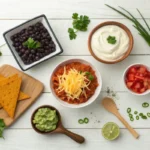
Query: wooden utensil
(29, 85)
(110, 105)
(59, 128)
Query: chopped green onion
(131, 119)
(137, 117)
(128, 110)
(145, 104)
(141, 114)
(130, 115)
(86, 120)
(80, 121)
(148, 114)
(135, 112)
(80, 72)
(144, 117)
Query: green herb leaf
(0, 53)
(75, 16)
(111, 39)
(31, 44)
(80, 23)
(2, 127)
(72, 34)
(91, 77)
(87, 73)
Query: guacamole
(45, 119)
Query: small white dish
(92, 99)
(42, 18)
(124, 77)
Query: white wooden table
(21, 136)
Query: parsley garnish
(31, 44)
(111, 39)
(72, 33)
(0, 53)
(2, 127)
(80, 23)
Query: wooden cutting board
(29, 85)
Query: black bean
(37, 58)
(33, 51)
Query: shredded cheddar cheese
(73, 83)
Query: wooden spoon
(110, 105)
(59, 128)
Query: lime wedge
(110, 131)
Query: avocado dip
(45, 119)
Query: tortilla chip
(9, 91)
(22, 96)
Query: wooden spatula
(110, 105)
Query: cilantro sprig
(80, 23)
(90, 76)
(31, 44)
(2, 127)
(0, 53)
(111, 39)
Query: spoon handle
(74, 136)
(132, 131)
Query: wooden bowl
(121, 26)
(59, 127)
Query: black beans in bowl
(33, 43)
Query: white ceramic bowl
(124, 77)
(92, 99)
(42, 18)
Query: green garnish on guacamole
(45, 119)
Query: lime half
(110, 131)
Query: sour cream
(106, 51)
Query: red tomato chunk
(138, 79)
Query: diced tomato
(142, 90)
(131, 77)
(135, 90)
(145, 83)
(142, 69)
(139, 77)
(132, 70)
(137, 85)
(129, 84)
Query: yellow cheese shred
(73, 83)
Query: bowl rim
(125, 28)
(44, 16)
(65, 104)
(124, 75)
